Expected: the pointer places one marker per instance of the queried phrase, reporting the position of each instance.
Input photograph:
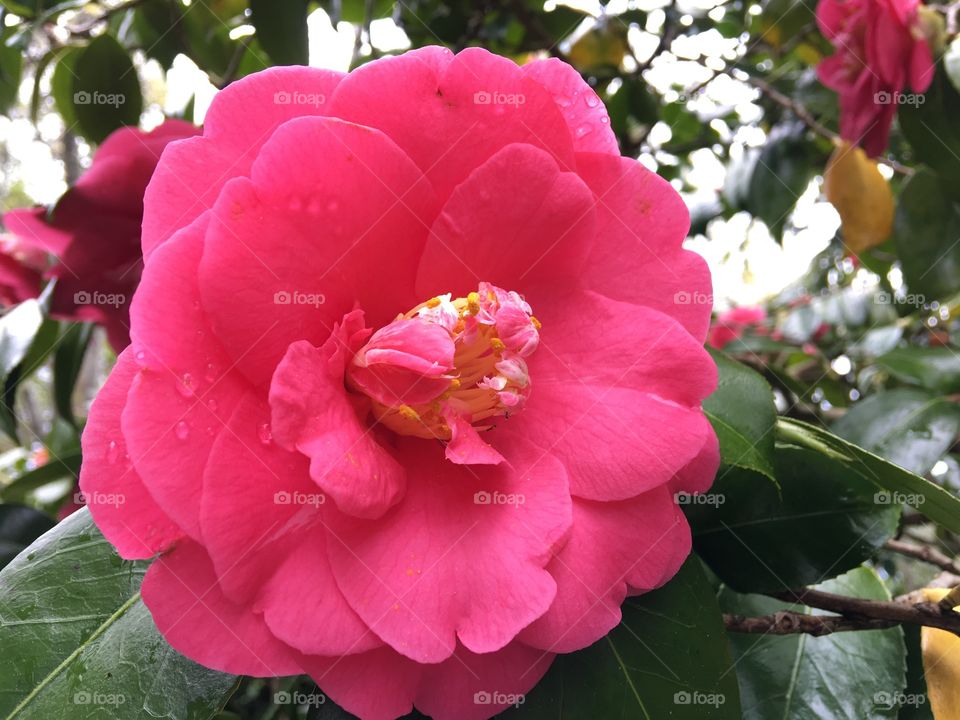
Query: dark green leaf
(11, 65)
(911, 428)
(843, 676)
(743, 414)
(782, 172)
(668, 658)
(79, 643)
(282, 30)
(936, 369)
(902, 485)
(106, 91)
(933, 133)
(926, 232)
(57, 468)
(824, 520)
(61, 84)
(66, 366)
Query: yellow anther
(433, 302)
(497, 344)
(408, 412)
(455, 384)
(536, 323)
(473, 303)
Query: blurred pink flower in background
(93, 232)
(881, 51)
(731, 325)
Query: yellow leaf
(602, 47)
(855, 187)
(941, 665)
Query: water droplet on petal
(605, 120)
(113, 452)
(182, 430)
(583, 130)
(591, 100)
(264, 433)
(563, 101)
(211, 374)
(186, 387)
(212, 405)
(140, 356)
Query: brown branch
(925, 553)
(792, 623)
(796, 108)
(918, 613)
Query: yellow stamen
(473, 303)
(408, 412)
(433, 302)
(497, 344)
(536, 323)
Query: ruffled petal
(124, 511)
(485, 531)
(193, 172)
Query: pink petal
(589, 338)
(120, 504)
(30, 226)
(466, 447)
(311, 411)
(486, 531)
(189, 610)
(299, 244)
(468, 686)
(584, 112)
(641, 223)
(442, 110)
(375, 685)
(187, 390)
(641, 542)
(516, 218)
(698, 475)
(615, 443)
(193, 172)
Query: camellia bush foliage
(406, 388)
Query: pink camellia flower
(408, 397)
(881, 50)
(94, 233)
(731, 325)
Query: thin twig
(925, 553)
(792, 623)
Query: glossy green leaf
(781, 174)
(824, 520)
(105, 89)
(901, 486)
(77, 641)
(282, 30)
(66, 366)
(668, 658)
(743, 415)
(911, 428)
(843, 676)
(926, 233)
(936, 369)
(933, 132)
(11, 66)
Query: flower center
(449, 368)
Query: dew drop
(563, 101)
(113, 452)
(186, 387)
(182, 430)
(140, 356)
(211, 373)
(591, 100)
(264, 433)
(605, 120)
(583, 130)
(212, 405)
